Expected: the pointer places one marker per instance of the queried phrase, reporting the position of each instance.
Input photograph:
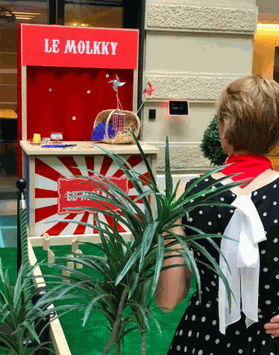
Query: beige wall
(193, 50)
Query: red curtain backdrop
(56, 95)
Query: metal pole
(52, 12)
(21, 203)
(60, 12)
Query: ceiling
(77, 12)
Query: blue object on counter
(99, 132)
(58, 145)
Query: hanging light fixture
(7, 19)
(7, 15)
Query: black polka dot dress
(198, 330)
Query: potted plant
(130, 272)
(211, 144)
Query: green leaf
(168, 177)
(136, 276)
(203, 251)
(137, 183)
(148, 235)
(189, 259)
(31, 330)
(91, 304)
(134, 257)
(144, 158)
(159, 262)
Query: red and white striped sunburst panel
(50, 170)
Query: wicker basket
(120, 137)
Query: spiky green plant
(18, 316)
(104, 295)
(131, 272)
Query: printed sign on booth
(61, 46)
(66, 188)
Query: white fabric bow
(242, 255)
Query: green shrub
(211, 144)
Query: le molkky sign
(69, 191)
(61, 46)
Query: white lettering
(86, 199)
(47, 50)
(81, 47)
(105, 48)
(88, 50)
(113, 46)
(55, 43)
(70, 46)
(96, 47)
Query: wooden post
(50, 253)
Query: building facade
(193, 50)
(189, 50)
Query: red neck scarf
(251, 165)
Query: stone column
(193, 50)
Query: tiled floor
(8, 204)
(8, 207)
(8, 211)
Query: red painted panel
(57, 95)
(107, 161)
(19, 104)
(61, 168)
(80, 228)
(75, 185)
(61, 46)
(45, 212)
(60, 226)
(110, 222)
(133, 161)
(46, 171)
(89, 164)
(70, 164)
(42, 193)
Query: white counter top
(86, 148)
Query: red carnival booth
(66, 77)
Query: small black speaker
(152, 114)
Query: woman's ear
(227, 148)
(221, 129)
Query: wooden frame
(56, 332)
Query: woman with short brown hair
(248, 109)
(249, 129)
